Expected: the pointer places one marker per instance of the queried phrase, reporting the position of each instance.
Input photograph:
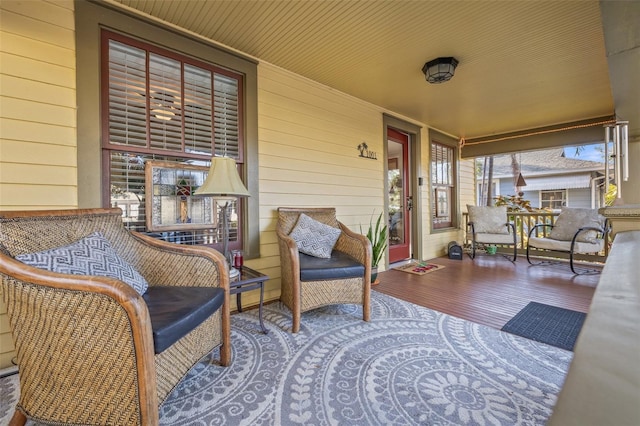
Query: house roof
(522, 65)
(544, 162)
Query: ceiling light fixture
(440, 70)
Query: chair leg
(528, 259)
(540, 262)
(571, 262)
(18, 419)
(296, 322)
(366, 303)
(585, 271)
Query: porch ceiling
(522, 64)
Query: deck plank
(490, 290)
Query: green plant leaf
(378, 236)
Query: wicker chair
(84, 344)
(300, 295)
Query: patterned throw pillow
(92, 255)
(572, 219)
(488, 220)
(314, 238)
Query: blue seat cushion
(175, 311)
(339, 265)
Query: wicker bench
(92, 350)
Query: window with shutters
(160, 105)
(443, 185)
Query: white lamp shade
(223, 180)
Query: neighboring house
(552, 180)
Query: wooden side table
(248, 280)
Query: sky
(588, 152)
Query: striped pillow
(92, 255)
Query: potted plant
(378, 236)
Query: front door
(400, 201)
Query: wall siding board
(37, 114)
(29, 131)
(579, 197)
(14, 195)
(35, 91)
(19, 45)
(21, 152)
(274, 200)
(317, 131)
(15, 173)
(34, 69)
(24, 25)
(308, 176)
(282, 83)
(289, 96)
(312, 161)
(22, 109)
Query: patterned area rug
(419, 268)
(409, 365)
(548, 324)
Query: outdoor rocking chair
(576, 231)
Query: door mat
(547, 324)
(419, 268)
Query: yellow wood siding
(308, 139)
(37, 114)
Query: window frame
(564, 200)
(107, 35)
(450, 186)
(179, 157)
(90, 19)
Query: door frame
(415, 184)
(401, 251)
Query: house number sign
(365, 153)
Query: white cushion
(494, 238)
(572, 219)
(314, 238)
(488, 220)
(92, 255)
(580, 247)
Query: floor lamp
(223, 183)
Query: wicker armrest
(77, 331)
(355, 245)
(290, 262)
(161, 262)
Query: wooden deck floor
(490, 289)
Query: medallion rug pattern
(409, 365)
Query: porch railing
(524, 221)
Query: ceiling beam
(574, 133)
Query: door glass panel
(396, 194)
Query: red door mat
(419, 268)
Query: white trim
(574, 181)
